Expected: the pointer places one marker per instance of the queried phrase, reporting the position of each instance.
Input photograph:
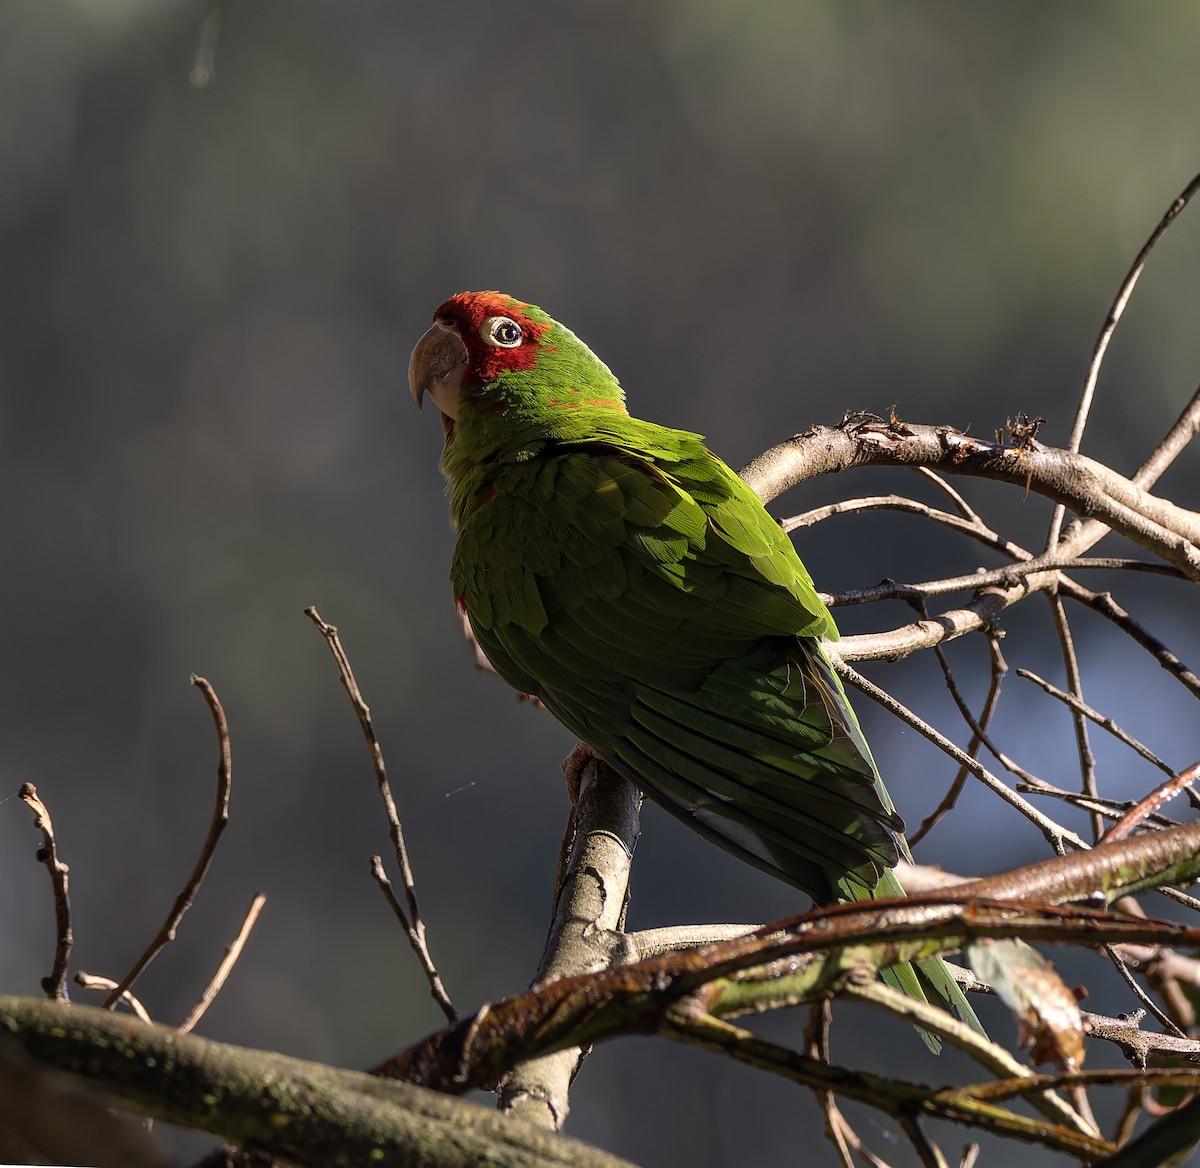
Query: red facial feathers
(468, 310)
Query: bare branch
(92, 981)
(904, 1101)
(1173, 444)
(1161, 458)
(1081, 483)
(412, 921)
(1165, 1142)
(978, 728)
(1141, 995)
(585, 934)
(220, 818)
(1104, 604)
(973, 526)
(671, 938)
(302, 1112)
(928, 1152)
(1001, 577)
(942, 484)
(988, 1054)
(232, 953)
(1115, 312)
(53, 986)
(1056, 835)
(1110, 808)
(801, 959)
(1101, 720)
(980, 613)
(1083, 745)
(816, 1046)
(1174, 976)
(1002, 588)
(1152, 802)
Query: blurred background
(760, 215)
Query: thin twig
(948, 801)
(436, 987)
(847, 1134)
(1161, 457)
(1115, 312)
(929, 1153)
(1106, 606)
(1110, 808)
(1174, 976)
(988, 1054)
(894, 644)
(816, 1045)
(1140, 994)
(898, 643)
(975, 528)
(1004, 577)
(1056, 835)
(54, 986)
(1180, 897)
(838, 1128)
(896, 1099)
(1152, 802)
(943, 484)
(220, 818)
(232, 953)
(412, 921)
(1083, 745)
(93, 981)
(988, 603)
(1101, 720)
(1173, 444)
(1005, 1089)
(1131, 1112)
(998, 668)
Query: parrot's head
(490, 356)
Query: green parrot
(624, 575)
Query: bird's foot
(572, 769)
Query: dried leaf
(1046, 1008)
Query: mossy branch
(302, 1112)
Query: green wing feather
(639, 588)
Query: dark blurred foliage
(761, 215)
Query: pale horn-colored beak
(437, 367)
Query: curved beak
(437, 367)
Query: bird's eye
(502, 331)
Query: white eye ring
(502, 331)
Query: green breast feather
(654, 607)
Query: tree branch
(411, 919)
(314, 1116)
(585, 934)
(220, 819)
(55, 985)
(1085, 486)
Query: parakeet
(623, 574)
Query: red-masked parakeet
(623, 574)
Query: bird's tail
(927, 979)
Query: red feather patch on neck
(468, 310)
